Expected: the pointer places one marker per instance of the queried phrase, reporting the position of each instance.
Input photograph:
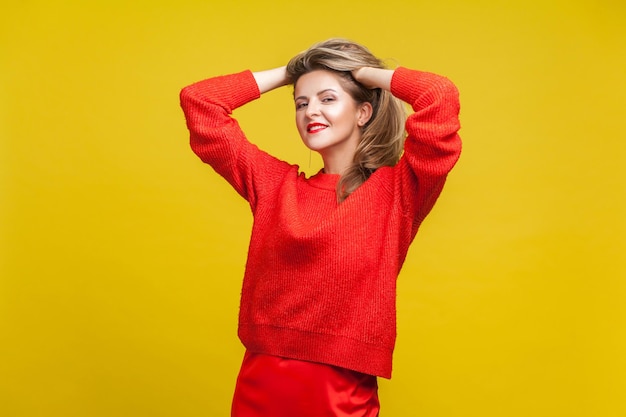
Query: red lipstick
(315, 127)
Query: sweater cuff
(412, 86)
(243, 88)
(233, 90)
(401, 83)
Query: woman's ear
(364, 113)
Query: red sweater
(320, 279)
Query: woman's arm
(270, 79)
(433, 145)
(218, 139)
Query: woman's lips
(315, 127)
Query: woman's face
(329, 120)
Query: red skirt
(271, 386)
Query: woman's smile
(315, 127)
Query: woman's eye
(300, 105)
(327, 99)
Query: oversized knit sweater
(320, 278)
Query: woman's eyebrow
(319, 93)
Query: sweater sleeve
(433, 145)
(218, 140)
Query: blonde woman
(317, 312)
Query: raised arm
(432, 146)
(217, 138)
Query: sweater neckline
(324, 181)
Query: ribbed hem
(316, 347)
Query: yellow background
(122, 254)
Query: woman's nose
(312, 108)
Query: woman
(317, 313)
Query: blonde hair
(382, 137)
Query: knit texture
(320, 279)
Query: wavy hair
(382, 137)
